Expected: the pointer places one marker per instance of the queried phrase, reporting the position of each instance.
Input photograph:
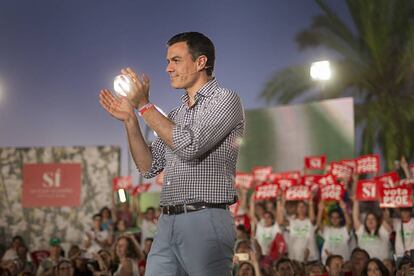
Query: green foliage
(375, 65)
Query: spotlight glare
(321, 70)
(122, 85)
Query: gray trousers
(199, 243)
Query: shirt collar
(206, 90)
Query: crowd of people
(274, 237)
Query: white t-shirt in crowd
(301, 236)
(148, 229)
(408, 244)
(101, 236)
(265, 236)
(336, 242)
(376, 246)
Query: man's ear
(201, 62)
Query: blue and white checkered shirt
(206, 139)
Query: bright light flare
(122, 85)
(321, 70)
(122, 196)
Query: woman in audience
(126, 256)
(301, 231)
(336, 235)
(373, 235)
(266, 232)
(375, 267)
(404, 232)
(97, 238)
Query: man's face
(358, 260)
(181, 67)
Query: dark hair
(376, 232)
(248, 264)
(357, 249)
(339, 212)
(331, 257)
(131, 251)
(381, 267)
(18, 238)
(198, 45)
(283, 260)
(271, 215)
(105, 209)
(150, 209)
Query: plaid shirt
(206, 139)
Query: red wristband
(145, 108)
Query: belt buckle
(168, 209)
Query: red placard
(327, 179)
(333, 192)
(244, 180)
(234, 208)
(315, 162)
(397, 197)
(283, 184)
(141, 188)
(389, 180)
(350, 162)
(368, 164)
(122, 182)
(298, 192)
(51, 185)
(266, 191)
(340, 170)
(261, 174)
(407, 182)
(285, 175)
(367, 190)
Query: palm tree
(375, 66)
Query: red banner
(266, 191)
(141, 188)
(285, 175)
(407, 182)
(350, 162)
(244, 180)
(51, 185)
(332, 192)
(315, 162)
(389, 180)
(327, 179)
(341, 170)
(261, 174)
(398, 197)
(368, 164)
(283, 184)
(367, 190)
(299, 192)
(122, 182)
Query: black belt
(181, 208)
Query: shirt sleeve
(157, 149)
(222, 114)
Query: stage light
(321, 70)
(122, 85)
(122, 196)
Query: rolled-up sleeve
(219, 117)
(157, 149)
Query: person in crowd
(336, 235)
(120, 228)
(27, 265)
(107, 222)
(246, 264)
(374, 267)
(11, 252)
(241, 232)
(301, 231)
(283, 267)
(105, 263)
(126, 256)
(82, 264)
(359, 258)
(125, 214)
(46, 266)
(246, 269)
(315, 269)
(334, 265)
(404, 232)
(256, 211)
(97, 238)
(373, 235)
(64, 268)
(266, 232)
(390, 265)
(148, 224)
